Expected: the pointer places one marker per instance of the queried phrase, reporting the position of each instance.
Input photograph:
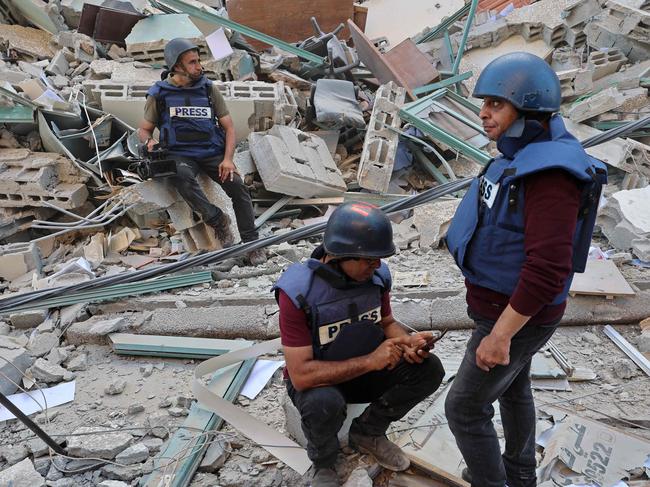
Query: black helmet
(175, 48)
(524, 80)
(359, 230)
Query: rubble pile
(334, 117)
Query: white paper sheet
(55, 396)
(259, 376)
(218, 44)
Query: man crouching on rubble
(342, 344)
(523, 228)
(197, 130)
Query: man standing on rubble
(197, 130)
(523, 228)
(342, 344)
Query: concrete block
(626, 78)
(575, 82)
(604, 33)
(294, 428)
(18, 259)
(580, 11)
(380, 144)
(554, 35)
(532, 31)
(634, 100)
(595, 105)
(605, 62)
(575, 37)
(15, 361)
(28, 178)
(295, 163)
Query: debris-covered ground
(376, 111)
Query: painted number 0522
(598, 461)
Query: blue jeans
(469, 410)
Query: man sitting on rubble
(197, 130)
(521, 231)
(342, 344)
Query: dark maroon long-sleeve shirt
(551, 203)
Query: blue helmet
(524, 80)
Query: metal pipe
(463, 41)
(13, 409)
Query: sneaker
(325, 477)
(387, 453)
(256, 257)
(222, 230)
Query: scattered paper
(218, 44)
(33, 402)
(80, 265)
(260, 375)
(581, 451)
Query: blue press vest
(187, 124)
(330, 308)
(487, 243)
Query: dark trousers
(391, 394)
(469, 410)
(188, 186)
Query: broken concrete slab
(40, 344)
(93, 442)
(46, 371)
(15, 361)
(432, 221)
(22, 474)
(295, 163)
(31, 43)
(625, 221)
(595, 105)
(27, 319)
(380, 144)
(136, 453)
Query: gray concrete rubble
(15, 361)
(92, 441)
(625, 221)
(22, 474)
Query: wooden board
(601, 278)
(375, 61)
(288, 20)
(411, 64)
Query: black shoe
(466, 476)
(222, 231)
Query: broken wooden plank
(628, 349)
(411, 64)
(375, 61)
(601, 278)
